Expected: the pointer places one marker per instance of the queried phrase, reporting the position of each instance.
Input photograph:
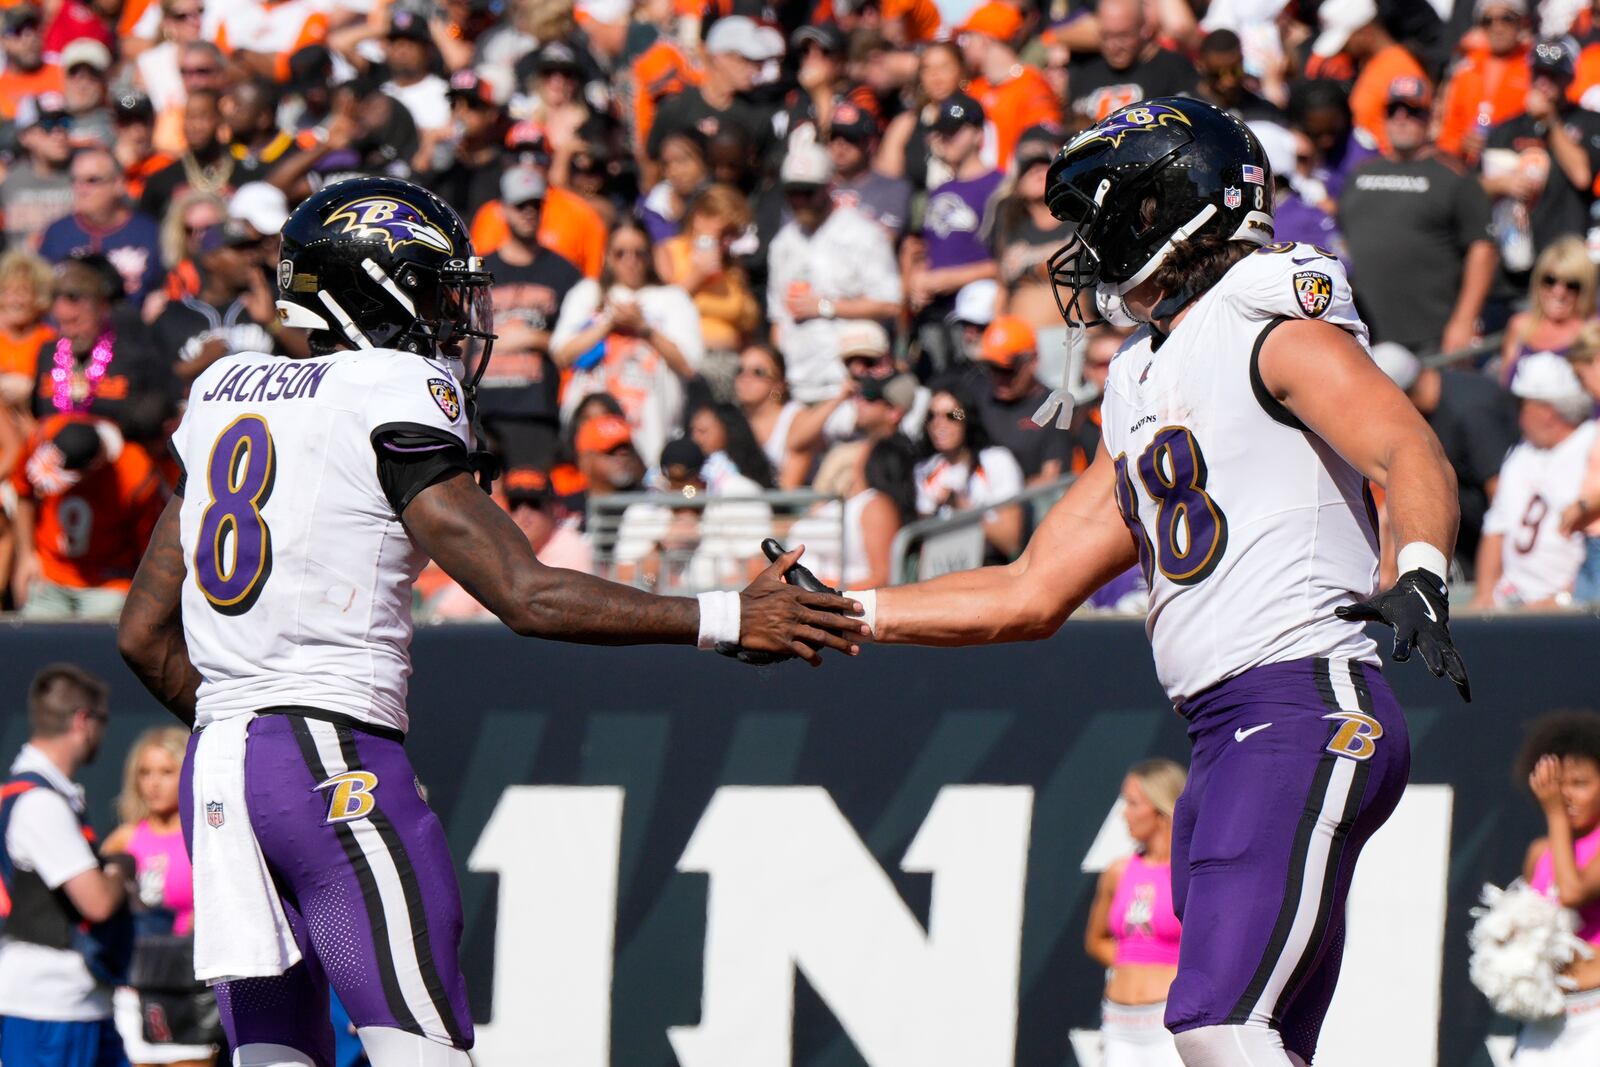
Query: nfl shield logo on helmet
(1314, 290)
(214, 813)
(1232, 197)
(445, 395)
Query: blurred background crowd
(779, 265)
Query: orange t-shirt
(92, 534)
(20, 355)
(1013, 106)
(660, 71)
(14, 85)
(1370, 94)
(568, 226)
(1482, 86)
(1587, 75)
(919, 17)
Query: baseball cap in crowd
(957, 110)
(993, 19)
(262, 205)
(1339, 19)
(556, 56)
(1038, 144)
(1412, 92)
(519, 185)
(86, 52)
(474, 88)
(1007, 340)
(862, 337)
(826, 36)
(806, 163)
(309, 68)
(1557, 57)
(409, 26)
(898, 391)
(741, 35)
(606, 12)
(1516, 7)
(133, 106)
(1546, 376)
(851, 123)
(681, 453)
(79, 443)
(1398, 362)
(528, 136)
(604, 433)
(975, 302)
(20, 16)
(47, 109)
(526, 485)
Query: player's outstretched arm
(1081, 545)
(1327, 381)
(479, 546)
(150, 633)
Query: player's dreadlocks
(1567, 732)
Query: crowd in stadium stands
(796, 245)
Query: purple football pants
(1295, 765)
(366, 882)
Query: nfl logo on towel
(214, 813)
(1231, 197)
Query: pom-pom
(1520, 943)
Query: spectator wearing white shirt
(408, 47)
(53, 1006)
(828, 263)
(1524, 559)
(961, 470)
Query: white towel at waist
(240, 930)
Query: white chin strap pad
(300, 316)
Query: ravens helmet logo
(392, 221)
(1118, 125)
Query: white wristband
(1421, 554)
(868, 598)
(719, 619)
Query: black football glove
(1418, 609)
(797, 575)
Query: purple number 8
(239, 476)
(1173, 472)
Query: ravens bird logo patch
(1314, 290)
(444, 394)
(394, 222)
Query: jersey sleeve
(1297, 281)
(417, 421)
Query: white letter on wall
(792, 886)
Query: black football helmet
(383, 263)
(1143, 180)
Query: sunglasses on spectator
(998, 371)
(1506, 17)
(1550, 281)
(199, 72)
(756, 372)
(83, 70)
(186, 15)
(91, 179)
(1409, 110)
(528, 205)
(56, 123)
(23, 27)
(635, 251)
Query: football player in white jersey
(273, 612)
(1241, 425)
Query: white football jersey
(1535, 486)
(1251, 530)
(300, 573)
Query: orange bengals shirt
(1370, 94)
(20, 355)
(1013, 106)
(568, 226)
(91, 535)
(660, 71)
(1495, 86)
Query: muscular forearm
(1420, 494)
(150, 632)
(571, 606)
(1570, 157)
(864, 307)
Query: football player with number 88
(1242, 423)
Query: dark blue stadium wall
(782, 880)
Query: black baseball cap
(133, 106)
(826, 35)
(310, 67)
(1038, 143)
(683, 452)
(852, 123)
(556, 56)
(79, 444)
(957, 110)
(409, 26)
(20, 16)
(1557, 57)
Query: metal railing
(928, 548)
(692, 542)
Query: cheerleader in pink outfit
(152, 835)
(1563, 751)
(1132, 929)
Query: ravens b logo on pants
(350, 796)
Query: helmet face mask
(1139, 183)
